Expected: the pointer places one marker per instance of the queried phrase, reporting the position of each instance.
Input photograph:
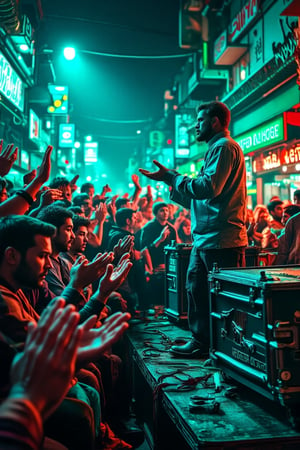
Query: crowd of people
(75, 265)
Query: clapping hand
(42, 373)
(45, 168)
(7, 158)
(113, 278)
(84, 272)
(50, 196)
(29, 176)
(124, 245)
(165, 232)
(95, 341)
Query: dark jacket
(149, 233)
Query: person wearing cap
(217, 200)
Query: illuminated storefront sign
(11, 86)
(267, 134)
(266, 161)
(243, 19)
(183, 123)
(290, 156)
(34, 125)
(91, 152)
(66, 137)
(276, 158)
(220, 46)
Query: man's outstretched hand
(158, 175)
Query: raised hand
(124, 245)
(45, 168)
(158, 175)
(83, 272)
(50, 196)
(136, 181)
(111, 207)
(7, 158)
(96, 341)
(100, 213)
(106, 188)
(73, 183)
(165, 233)
(42, 373)
(28, 177)
(112, 279)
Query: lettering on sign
(290, 156)
(266, 135)
(11, 85)
(258, 50)
(284, 50)
(242, 19)
(271, 161)
(261, 137)
(266, 161)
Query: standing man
(217, 199)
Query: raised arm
(23, 198)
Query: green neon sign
(267, 134)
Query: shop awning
(231, 55)
(292, 10)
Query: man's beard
(24, 276)
(62, 246)
(205, 135)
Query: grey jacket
(217, 197)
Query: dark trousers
(200, 263)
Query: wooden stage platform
(185, 404)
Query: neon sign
(290, 156)
(11, 86)
(243, 19)
(267, 134)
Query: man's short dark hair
(97, 199)
(297, 194)
(217, 109)
(79, 221)
(86, 186)
(75, 209)
(272, 205)
(157, 206)
(291, 210)
(120, 202)
(58, 182)
(19, 232)
(122, 215)
(79, 199)
(56, 215)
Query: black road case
(177, 260)
(255, 324)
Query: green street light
(69, 53)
